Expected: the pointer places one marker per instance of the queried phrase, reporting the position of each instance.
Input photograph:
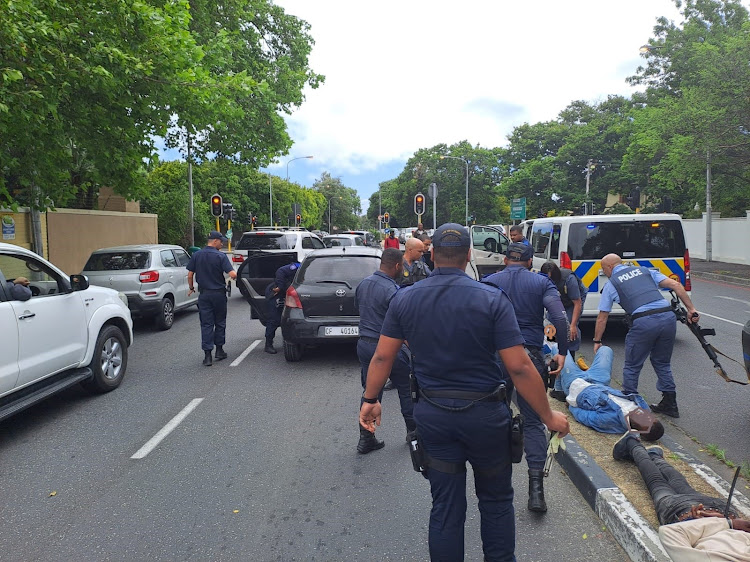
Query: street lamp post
(329, 212)
(270, 198)
(466, 163)
(292, 160)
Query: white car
(63, 334)
(297, 240)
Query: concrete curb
(745, 282)
(634, 534)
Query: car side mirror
(79, 282)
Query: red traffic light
(419, 204)
(217, 208)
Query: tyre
(292, 351)
(165, 318)
(109, 362)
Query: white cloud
(410, 74)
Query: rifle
(700, 333)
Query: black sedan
(320, 307)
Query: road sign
(518, 209)
(432, 190)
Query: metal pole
(588, 178)
(434, 211)
(708, 207)
(190, 186)
(270, 198)
(329, 215)
(380, 210)
(467, 190)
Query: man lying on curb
(693, 525)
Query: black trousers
(212, 310)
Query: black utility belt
(369, 339)
(497, 395)
(223, 289)
(638, 315)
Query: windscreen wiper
(337, 281)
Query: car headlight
(123, 298)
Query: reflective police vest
(635, 287)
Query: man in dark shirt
(461, 413)
(275, 296)
(19, 289)
(373, 296)
(208, 266)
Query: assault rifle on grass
(700, 333)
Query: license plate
(341, 330)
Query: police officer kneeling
(461, 414)
(209, 265)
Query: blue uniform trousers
(212, 311)
(399, 377)
(480, 435)
(534, 436)
(273, 319)
(652, 335)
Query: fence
(730, 238)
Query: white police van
(656, 241)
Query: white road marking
(720, 318)
(166, 430)
(732, 299)
(245, 353)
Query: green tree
(345, 204)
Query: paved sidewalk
(736, 273)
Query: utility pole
(190, 186)
(708, 207)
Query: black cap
(451, 234)
(518, 251)
(216, 235)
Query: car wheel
(165, 318)
(292, 351)
(109, 362)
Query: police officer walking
(275, 296)
(653, 329)
(209, 266)
(461, 413)
(373, 296)
(531, 294)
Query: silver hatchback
(152, 276)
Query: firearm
(700, 333)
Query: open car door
(254, 275)
(488, 248)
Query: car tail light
(236, 258)
(565, 261)
(688, 284)
(292, 299)
(149, 277)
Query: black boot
(536, 491)
(207, 361)
(667, 406)
(269, 346)
(220, 353)
(368, 442)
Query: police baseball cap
(216, 235)
(451, 235)
(518, 251)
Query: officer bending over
(373, 296)
(530, 294)
(209, 265)
(275, 295)
(654, 325)
(461, 413)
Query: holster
(418, 457)
(413, 388)
(516, 438)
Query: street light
(329, 212)
(466, 163)
(292, 160)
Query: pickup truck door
(488, 248)
(8, 345)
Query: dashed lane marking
(245, 353)
(167, 429)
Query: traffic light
(298, 219)
(254, 221)
(217, 207)
(419, 204)
(386, 216)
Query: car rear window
(351, 269)
(116, 261)
(628, 239)
(266, 241)
(333, 241)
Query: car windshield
(346, 269)
(335, 241)
(628, 239)
(116, 261)
(266, 241)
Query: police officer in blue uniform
(373, 296)
(461, 413)
(653, 328)
(531, 294)
(275, 295)
(209, 266)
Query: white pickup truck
(63, 333)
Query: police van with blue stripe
(656, 241)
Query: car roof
(635, 217)
(365, 251)
(139, 247)
(343, 235)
